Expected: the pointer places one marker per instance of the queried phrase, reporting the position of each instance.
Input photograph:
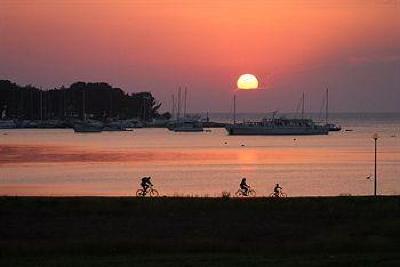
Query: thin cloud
(360, 60)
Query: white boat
(281, 126)
(276, 126)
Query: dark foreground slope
(199, 232)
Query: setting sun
(247, 81)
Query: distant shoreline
(61, 124)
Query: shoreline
(128, 129)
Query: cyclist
(146, 183)
(244, 186)
(277, 190)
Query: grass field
(94, 231)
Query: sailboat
(331, 126)
(186, 124)
(275, 126)
(87, 126)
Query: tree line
(96, 100)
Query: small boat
(29, 124)
(333, 127)
(4, 123)
(7, 124)
(88, 127)
(186, 126)
(116, 126)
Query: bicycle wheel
(154, 193)
(283, 194)
(239, 193)
(272, 195)
(140, 193)
(252, 193)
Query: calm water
(60, 162)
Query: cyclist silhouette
(146, 183)
(244, 186)
(277, 190)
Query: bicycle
(280, 194)
(150, 191)
(242, 193)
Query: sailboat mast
(64, 111)
(83, 105)
(41, 104)
(179, 103)
(302, 107)
(111, 104)
(173, 106)
(327, 106)
(184, 107)
(234, 109)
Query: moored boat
(276, 126)
(116, 126)
(333, 127)
(7, 124)
(187, 123)
(88, 127)
(281, 126)
(186, 126)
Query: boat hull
(87, 128)
(111, 129)
(188, 129)
(234, 130)
(333, 127)
(186, 126)
(338, 129)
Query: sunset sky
(350, 46)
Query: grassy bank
(196, 232)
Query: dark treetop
(98, 100)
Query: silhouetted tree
(98, 100)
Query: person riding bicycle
(146, 183)
(244, 186)
(277, 190)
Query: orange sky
(292, 46)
